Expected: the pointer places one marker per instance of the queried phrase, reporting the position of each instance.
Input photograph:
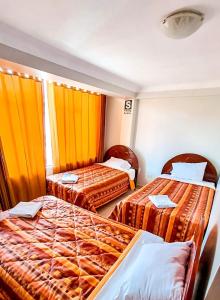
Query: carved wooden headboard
(210, 171)
(120, 151)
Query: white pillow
(189, 171)
(118, 163)
(156, 271)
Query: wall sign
(128, 107)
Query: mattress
(193, 201)
(97, 185)
(63, 253)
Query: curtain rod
(38, 78)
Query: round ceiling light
(182, 23)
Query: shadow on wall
(205, 266)
(214, 292)
(142, 178)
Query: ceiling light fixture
(182, 23)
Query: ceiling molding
(180, 93)
(22, 48)
(32, 61)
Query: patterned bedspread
(63, 253)
(178, 224)
(97, 185)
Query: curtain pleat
(77, 127)
(6, 196)
(101, 132)
(22, 135)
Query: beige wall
(119, 126)
(170, 126)
(114, 107)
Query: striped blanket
(97, 185)
(63, 253)
(173, 224)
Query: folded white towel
(25, 209)
(69, 178)
(162, 201)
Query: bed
(97, 184)
(66, 252)
(193, 200)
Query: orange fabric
(178, 224)
(6, 200)
(22, 135)
(77, 126)
(132, 185)
(115, 266)
(97, 185)
(57, 257)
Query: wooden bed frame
(193, 262)
(210, 171)
(120, 151)
(210, 175)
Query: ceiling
(8, 65)
(121, 41)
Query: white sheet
(149, 271)
(118, 162)
(130, 172)
(202, 183)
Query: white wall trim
(32, 61)
(180, 93)
(22, 48)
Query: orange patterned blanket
(97, 185)
(63, 253)
(172, 224)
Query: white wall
(119, 126)
(128, 124)
(170, 126)
(167, 125)
(209, 274)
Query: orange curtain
(22, 135)
(6, 201)
(77, 127)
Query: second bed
(193, 200)
(98, 184)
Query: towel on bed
(69, 178)
(162, 201)
(25, 209)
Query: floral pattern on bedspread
(63, 253)
(97, 185)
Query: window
(49, 156)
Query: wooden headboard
(120, 151)
(210, 171)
